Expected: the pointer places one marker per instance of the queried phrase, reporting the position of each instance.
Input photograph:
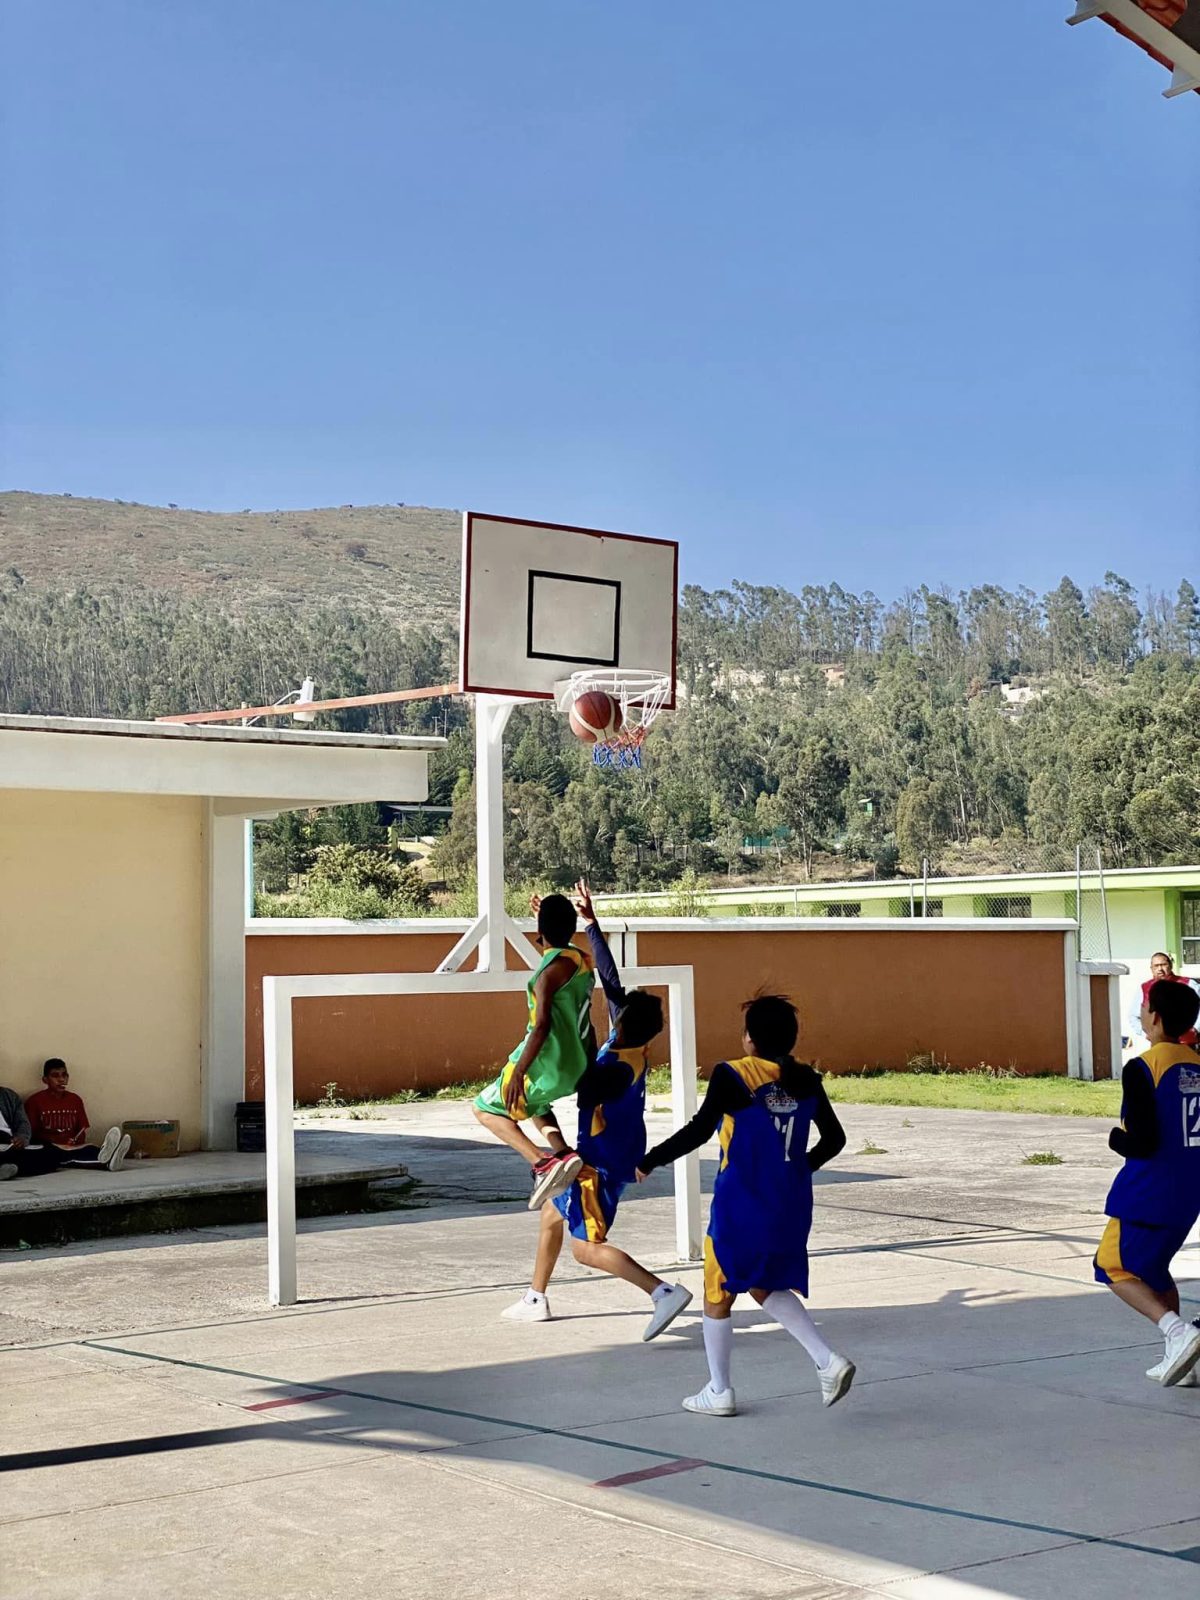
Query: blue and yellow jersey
(1163, 1188)
(612, 1111)
(762, 1197)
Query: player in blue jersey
(1155, 1198)
(758, 1225)
(612, 1140)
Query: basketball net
(641, 696)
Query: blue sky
(876, 293)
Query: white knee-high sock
(718, 1347)
(790, 1313)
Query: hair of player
(641, 1018)
(773, 1025)
(55, 1064)
(557, 921)
(1176, 1005)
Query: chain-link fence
(1066, 882)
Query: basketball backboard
(542, 600)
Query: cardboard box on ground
(153, 1140)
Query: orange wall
(868, 998)
(879, 998)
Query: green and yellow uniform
(558, 1066)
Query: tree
(1116, 622)
(923, 822)
(1187, 619)
(808, 800)
(1067, 628)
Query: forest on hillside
(824, 733)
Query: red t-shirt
(57, 1118)
(1191, 1037)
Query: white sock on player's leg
(718, 1347)
(790, 1313)
(658, 1292)
(1170, 1323)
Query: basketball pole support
(493, 927)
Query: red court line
(292, 1400)
(664, 1470)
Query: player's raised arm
(606, 967)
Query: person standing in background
(1162, 970)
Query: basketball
(596, 716)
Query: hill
(402, 560)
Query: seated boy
(611, 1142)
(761, 1213)
(549, 1062)
(1155, 1198)
(50, 1131)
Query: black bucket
(251, 1123)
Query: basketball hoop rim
(641, 688)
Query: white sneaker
(8, 1170)
(1183, 1352)
(1191, 1381)
(528, 1310)
(116, 1161)
(836, 1379)
(666, 1308)
(109, 1148)
(712, 1402)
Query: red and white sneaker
(553, 1174)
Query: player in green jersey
(549, 1062)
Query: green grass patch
(1041, 1158)
(977, 1091)
(953, 1091)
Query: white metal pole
(491, 717)
(681, 1001)
(1104, 904)
(281, 1148)
(249, 868)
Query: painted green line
(758, 1473)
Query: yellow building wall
(102, 950)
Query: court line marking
(759, 1474)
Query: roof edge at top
(109, 727)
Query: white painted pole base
(682, 1003)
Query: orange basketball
(596, 716)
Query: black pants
(36, 1163)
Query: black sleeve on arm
(606, 967)
(726, 1093)
(1139, 1137)
(832, 1136)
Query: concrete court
(168, 1436)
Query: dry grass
(402, 559)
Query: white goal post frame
(279, 993)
